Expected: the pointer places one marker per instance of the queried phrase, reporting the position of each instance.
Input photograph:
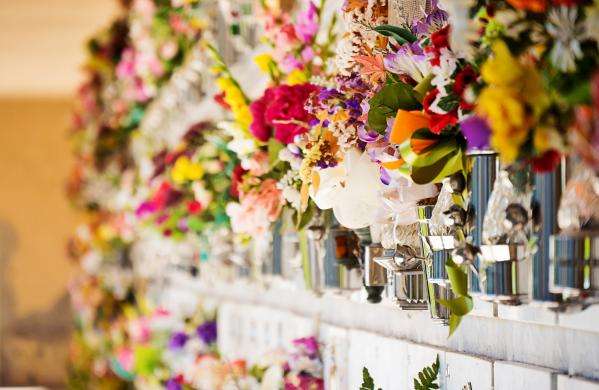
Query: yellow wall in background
(35, 222)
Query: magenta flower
(306, 27)
(280, 113)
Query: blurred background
(41, 50)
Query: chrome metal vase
(485, 166)
(437, 250)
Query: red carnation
(463, 79)
(280, 113)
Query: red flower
(440, 122)
(546, 162)
(280, 113)
(439, 40)
(194, 207)
(220, 99)
(463, 79)
(236, 178)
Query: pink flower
(280, 113)
(308, 54)
(126, 66)
(257, 209)
(307, 24)
(126, 359)
(258, 165)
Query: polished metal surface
(485, 166)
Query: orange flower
(529, 5)
(406, 123)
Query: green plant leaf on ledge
(427, 378)
(367, 381)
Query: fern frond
(427, 378)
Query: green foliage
(388, 101)
(399, 34)
(367, 381)
(427, 377)
(462, 304)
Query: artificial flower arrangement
(127, 65)
(99, 293)
(267, 130)
(536, 61)
(192, 185)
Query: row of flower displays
(417, 151)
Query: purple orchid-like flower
(207, 332)
(367, 136)
(433, 21)
(477, 132)
(178, 340)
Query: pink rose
(280, 113)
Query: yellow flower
(235, 98)
(106, 232)
(297, 77)
(501, 69)
(340, 116)
(513, 101)
(264, 62)
(185, 170)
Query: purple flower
(367, 136)
(173, 384)
(207, 332)
(307, 23)
(178, 340)
(476, 131)
(307, 345)
(385, 177)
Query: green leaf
(367, 381)
(400, 34)
(388, 101)
(449, 103)
(423, 87)
(454, 323)
(274, 147)
(458, 278)
(459, 306)
(427, 377)
(304, 218)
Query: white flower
(351, 189)
(406, 62)
(463, 27)
(566, 32)
(443, 73)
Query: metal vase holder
(375, 275)
(485, 166)
(407, 281)
(342, 270)
(574, 268)
(437, 250)
(505, 273)
(330, 259)
(547, 194)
